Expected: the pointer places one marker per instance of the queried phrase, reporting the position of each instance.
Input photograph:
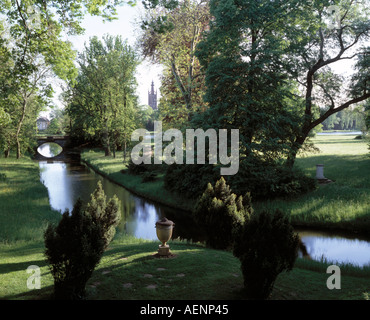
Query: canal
(69, 180)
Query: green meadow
(343, 204)
(129, 269)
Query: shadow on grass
(20, 266)
(193, 273)
(44, 293)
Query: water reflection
(336, 248)
(49, 149)
(66, 182)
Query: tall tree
(269, 69)
(102, 100)
(316, 53)
(33, 31)
(174, 48)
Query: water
(336, 247)
(67, 181)
(339, 133)
(50, 149)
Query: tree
(106, 108)
(314, 54)
(182, 80)
(75, 246)
(105, 214)
(32, 31)
(268, 70)
(249, 90)
(266, 246)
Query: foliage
(182, 80)
(59, 122)
(34, 53)
(268, 180)
(75, 246)
(107, 215)
(268, 74)
(264, 180)
(190, 180)
(262, 59)
(266, 246)
(105, 110)
(345, 120)
(221, 214)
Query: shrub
(261, 178)
(75, 246)
(149, 177)
(270, 180)
(221, 214)
(190, 180)
(266, 246)
(107, 215)
(136, 169)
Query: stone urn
(164, 229)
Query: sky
(125, 27)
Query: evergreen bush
(221, 214)
(266, 246)
(75, 246)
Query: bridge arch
(60, 140)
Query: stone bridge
(60, 140)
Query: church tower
(152, 98)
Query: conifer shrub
(221, 214)
(266, 246)
(263, 179)
(190, 180)
(75, 246)
(103, 213)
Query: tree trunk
(7, 152)
(124, 150)
(297, 145)
(106, 140)
(20, 123)
(106, 143)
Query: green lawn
(344, 204)
(129, 270)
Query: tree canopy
(102, 101)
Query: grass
(342, 205)
(112, 168)
(128, 269)
(24, 202)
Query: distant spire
(152, 97)
(152, 92)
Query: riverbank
(128, 269)
(24, 202)
(116, 171)
(343, 205)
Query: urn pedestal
(164, 229)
